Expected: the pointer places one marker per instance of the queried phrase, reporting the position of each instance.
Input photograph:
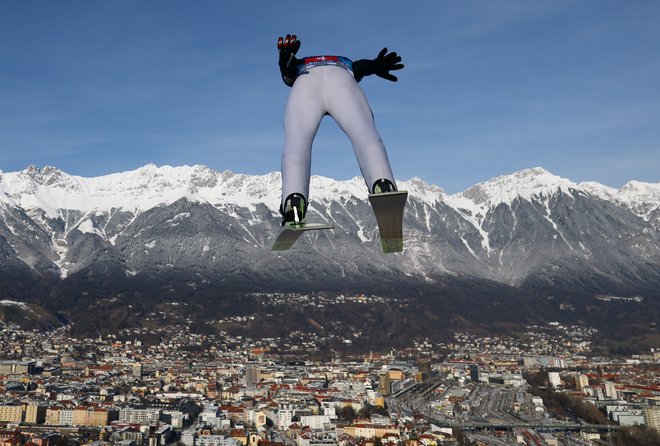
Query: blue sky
(490, 87)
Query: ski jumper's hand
(380, 66)
(288, 47)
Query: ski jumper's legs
(329, 90)
(348, 105)
(302, 117)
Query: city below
(541, 387)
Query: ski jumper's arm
(290, 66)
(288, 47)
(380, 66)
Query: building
(554, 379)
(127, 434)
(89, 417)
(142, 416)
(475, 373)
(309, 438)
(35, 414)
(581, 382)
(252, 377)
(610, 390)
(211, 416)
(544, 361)
(11, 413)
(174, 417)
(626, 414)
(53, 416)
(188, 437)
(59, 416)
(281, 416)
(652, 416)
(384, 384)
(22, 413)
(26, 437)
(370, 430)
(549, 439)
(66, 417)
(315, 422)
(424, 370)
(17, 367)
(137, 370)
(257, 418)
(216, 440)
(589, 436)
(240, 435)
(161, 436)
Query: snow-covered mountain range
(193, 224)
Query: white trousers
(329, 90)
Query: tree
(369, 410)
(460, 437)
(637, 436)
(348, 413)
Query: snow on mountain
(10, 303)
(475, 203)
(599, 190)
(525, 184)
(51, 190)
(633, 192)
(196, 220)
(427, 193)
(641, 198)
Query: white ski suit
(326, 86)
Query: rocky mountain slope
(530, 228)
(520, 248)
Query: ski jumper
(325, 85)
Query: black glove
(288, 47)
(380, 66)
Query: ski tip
(392, 245)
(389, 194)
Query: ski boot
(382, 186)
(293, 210)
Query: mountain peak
(598, 189)
(641, 188)
(429, 193)
(532, 172)
(642, 198)
(47, 176)
(525, 184)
